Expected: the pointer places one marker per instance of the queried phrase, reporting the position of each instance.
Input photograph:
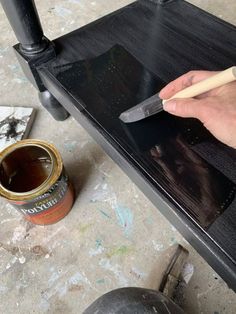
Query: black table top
(125, 57)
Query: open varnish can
(33, 179)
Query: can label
(47, 205)
(34, 181)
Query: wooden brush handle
(206, 85)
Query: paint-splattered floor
(114, 236)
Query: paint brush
(154, 104)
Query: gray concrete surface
(114, 236)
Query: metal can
(34, 181)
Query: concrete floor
(63, 267)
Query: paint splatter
(8, 266)
(70, 146)
(104, 214)
(19, 234)
(116, 270)
(157, 246)
(137, 273)
(3, 51)
(78, 277)
(98, 250)
(3, 289)
(84, 228)
(18, 74)
(125, 218)
(54, 277)
(22, 260)
(100, 281)
(61, 11)
(94, 252)
(60, 287)
(120, 251)
(173, 241)
(98, 243)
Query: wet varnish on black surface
(112, 64)
(161, 144)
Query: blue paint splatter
(98, 243)
(70, 146)
(13, 67)
(3, 50)
(104, 214)
(62, 12)
(100, 281)
(125, 218)
(17, 72)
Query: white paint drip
(18, 234)
(8, 266)
(14, 259)
(104, 186)
(157, 246)
(22, 260)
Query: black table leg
(33, 49)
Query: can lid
(56, 170)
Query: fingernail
(170, 106)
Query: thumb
(186, 108)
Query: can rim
(57, 166)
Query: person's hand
(216, 109)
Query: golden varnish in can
(34, 181)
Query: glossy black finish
(167, 38)
(51, 104)
(161, 144)
(29, 63)
(25, 22)
(184, 171)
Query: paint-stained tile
(15, 124)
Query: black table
(97, 71)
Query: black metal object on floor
(129, 55)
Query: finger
(187, 108)
(184, 81)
